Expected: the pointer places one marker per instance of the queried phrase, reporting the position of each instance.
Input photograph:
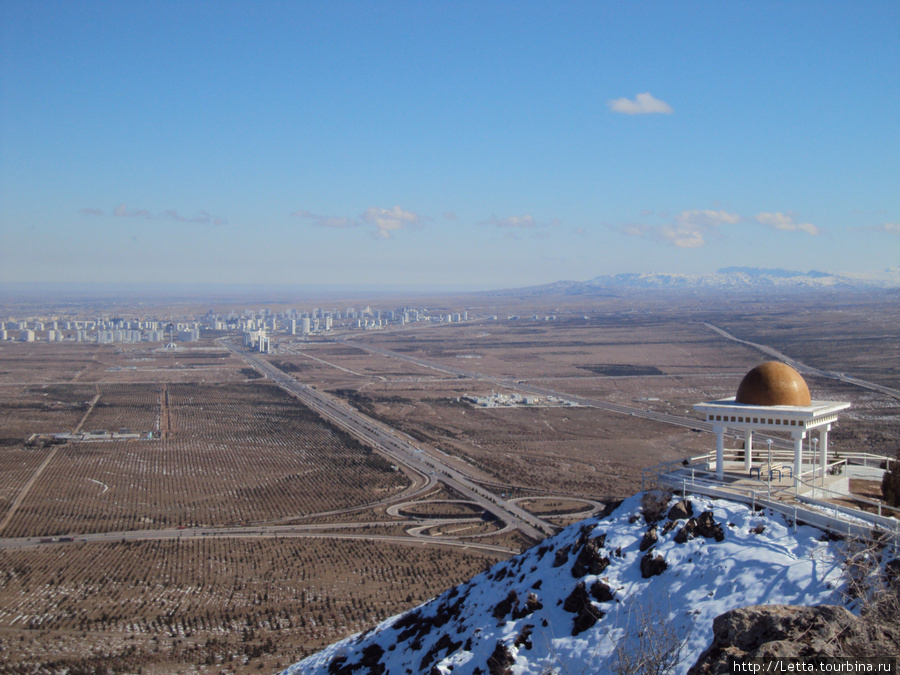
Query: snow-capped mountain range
(725, 279)
(651, 566)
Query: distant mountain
(647, 573)
(725, 279)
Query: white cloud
(706, 219)
(390, 220)
(682, 237)
(643, 104)
(325, 221)
(688, 230)
(689, 227)
(122, 211)
(386, 221)
(91, 212)
(526, 221)
(202, 218)
(451, 215)
(890, 228)
(785, 222)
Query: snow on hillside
(563, 605)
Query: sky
(445, 144)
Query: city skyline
(424, 145)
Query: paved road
(801, 367)
(271, 532)
(525, 386)
(423, 460)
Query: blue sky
(477, 144)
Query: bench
(770, 469)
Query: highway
(422, 460)
(319, 531)
(525, 386)
(801, 367)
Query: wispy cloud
(122, 211)
(527, 222)
(451, 215)
(203, 218)
(643, 104)
(785, 223)
(325, 221)
(689, 229)
(385, 221)
(889, 228)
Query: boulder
(793, 631)
(651, 536)
(681, 510)
(653, 565)
(590, 560)
(579, 603)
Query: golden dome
(773, 383)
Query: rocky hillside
(647, 578)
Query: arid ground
(240, 530)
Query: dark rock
(682, 510)
(415, 625)
(337, 666)
(688, 531)
(504, 606)
(653, 505)
(579, 603)
(609, 509)
(589, 560)
(601, 592)
(523, 638)
(562, 556)
(704, 526)
(372, 659)
(709, 528)
(668, 527)
(650, 538)
(443, 644)
(500, 660)
(583, 533)
(652, 565)
(532, 604)
(793, 631)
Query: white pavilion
(774, 398)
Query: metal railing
(693, 475)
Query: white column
(748, 449)
(720, 452)
(798, 437)
(823, 448)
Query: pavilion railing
(693, 475)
